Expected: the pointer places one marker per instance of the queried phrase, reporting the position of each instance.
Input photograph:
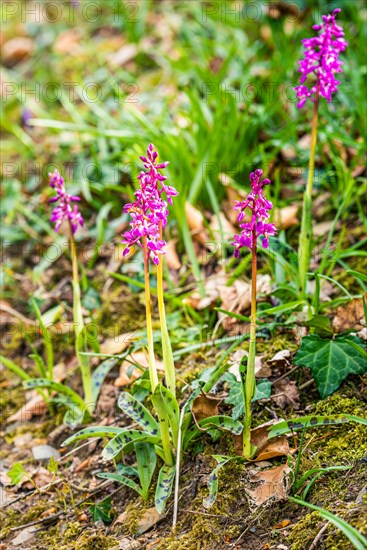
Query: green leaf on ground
(330, 361)
(16, 473)
(102, 511)
(235, 396)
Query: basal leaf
(120, 441)
(147, 460)
(213, 480)
(133, 408)
(100, 374)
(73, 416)
(95, 431)
(330, 361)
(288, 426)
(57, 387)
(220, 422)
(164, 487)
(167, 409)
(121, 479)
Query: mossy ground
(232, 518)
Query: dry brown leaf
(35, 406)
(350, 316)
(273, 484)
(68, 42)
(288, 152)
(84, 464)
(40, 477)
(205, 406)
(282, 524)
(286, 217)
(289, 391)
(123, 55)
(117, 344)
(149, 518)
(5, 479)
(173, 261)
(235, 298)
(224, 227)
(281, 358)
(16, 50)
(139, 357)
(266, 448)
(195, 221)
(304, 142)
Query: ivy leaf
(102, 511)
(235, 397)
(330, 361)
(16, 473)
(322, 326)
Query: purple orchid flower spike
(65, 210)
(321, 58)
(259, 208)
(149, 211)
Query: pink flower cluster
(65, 210)
(259, 208)
(149, 211)
(321, 58)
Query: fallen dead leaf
(350, 316)
(4, 479)
(149, 518)
(274, 484)
(129, 373)
(68, 42)
(40, 477)
(123, 55)
(266, 448)
(221, 226)
(173, 261)
(16, 49)
(286, 217)
(289, 391)
(205, 406)
(195, 220)
(83, 465)
(235, 298)
(304, 142)
(35, 406)
(281, 358)
(282, 524)
(118, 344)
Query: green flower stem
(169, 366)
(79, 329)
(151, 359)
(250, 384)
(305, 238)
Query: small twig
(286, 374)
(204, 513)
(31, 492)
(63, 512)
(318, 537)
(306, 384)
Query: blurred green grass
(209, 83)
